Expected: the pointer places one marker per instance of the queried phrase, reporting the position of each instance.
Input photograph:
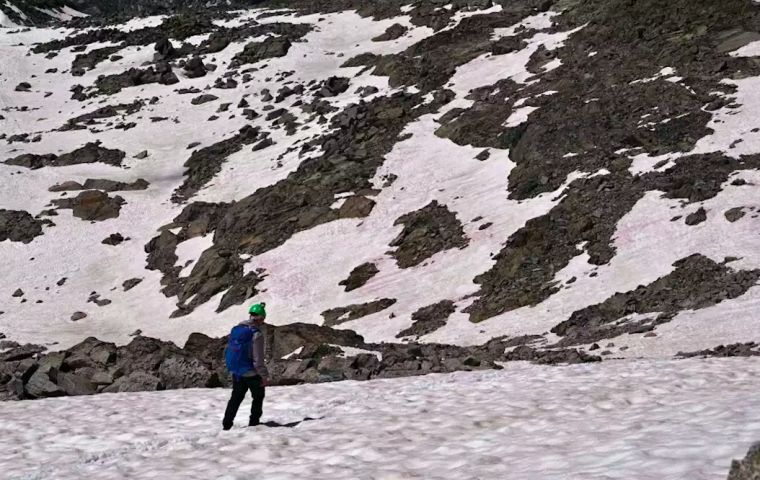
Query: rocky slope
(98, 12)
(552, 175)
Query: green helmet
(258, 309)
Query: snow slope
(644, 420)
(303, 274)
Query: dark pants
(239, 387)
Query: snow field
(647, 420)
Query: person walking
(244, 357)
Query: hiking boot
(226, 427)
(253, 423)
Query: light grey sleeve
(258, 355)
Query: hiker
(244, 357)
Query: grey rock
(359, 276)
(734, 214)
(429, 319)
(93, 205)
(90, 153)
(185, 372)
(131, 283)
(51, 361)
(103, 354)
(113, 239)
(269, 48)
(73, 384)
(77, 361)
(697, 217)
(135, 382)
(426, 232)
(20, 226)
(101, 378)
(336, 316)
(391, 33)
(356, 206)
(40, 386)
(205, 98)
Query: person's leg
(239, 388)
(257, 392)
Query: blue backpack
(237, 355)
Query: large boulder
(90, 153)
(74, 384)
(40, 386)
(164, 49)
(269, 48)
(180, 371)
(195, 68)
(52, 361)
(95, 349)
(93, 205)
(19, 226)
(285, 339)
(143, 354)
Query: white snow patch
(293, 353)
(663, 73)
(519, 116)
(750, 50)
(733, 127)
(541, 21)
(190, 250)
(62, 14)
(488, 69)
(552, 65)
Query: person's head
(257, 313)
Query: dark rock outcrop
(20, 226)
(195, 68)
(697, 282)
(749, 349)
(90, 153)
(427, 231)
(359, 276)
(92, 205)
(296, 353)
(336, 316)
(91, 59)
(111, 84)
(391, 33)
(115, 186)
(205, 98)
(92, 118)
(428, 319)
(270, 48)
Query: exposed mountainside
(84, 12)
(571, 174)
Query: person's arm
(258, 356)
